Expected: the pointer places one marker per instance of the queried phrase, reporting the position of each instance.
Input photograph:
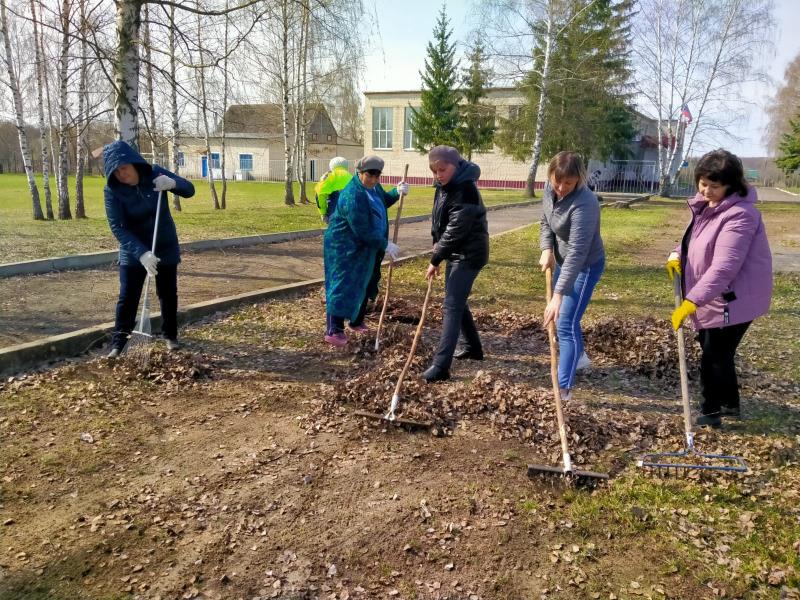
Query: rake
(678, 462)
(391, 415)
(140, 343)
(391, 266)
(565, 471)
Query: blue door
(204, 167)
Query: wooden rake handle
(391, 265)
(416, 339)
(551, 337)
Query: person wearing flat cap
(461, 237)
(354, 245)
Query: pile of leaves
(646, 346)
(174, 369)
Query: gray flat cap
(369, 162)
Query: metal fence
(501, 178)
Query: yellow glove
(679, 314)
(673, 265)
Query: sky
(397, 54)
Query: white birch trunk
(223, 200)
(82, 120)
(537, 140)
(173, 86)
(126, 72)
(50, 149)
(288, 197)
(43, 132)
(204, 111)
(64, 211)
(148, 78)
(19, 120)
(303, 145)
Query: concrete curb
(38, 353)
(787, 192)
(99, 259)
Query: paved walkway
(38, 306)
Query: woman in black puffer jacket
(461, 237)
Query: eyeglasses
(374, 172)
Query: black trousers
(458, 279)
(131, 282)
(717, 369)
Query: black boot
(468, 353)
(435, 373)
(731, 411)
(713, 421)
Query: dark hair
(567, 164)
(722, 167)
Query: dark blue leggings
(131, 282)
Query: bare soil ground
(236, 469)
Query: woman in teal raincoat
(354, 243)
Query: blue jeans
(568, 326)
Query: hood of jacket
(465, 171)
(120, 153)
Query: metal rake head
(686, 461)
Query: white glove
(402, 188)
(149, 261)
(162, 183)
(393, 250)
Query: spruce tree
(436, 120)
(789, 148)
(476, 131)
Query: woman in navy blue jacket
(133, 188)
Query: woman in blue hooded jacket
(132, 192)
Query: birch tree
(204, 109)
(692, 59)
(173, 94)
(19, 119)
(521, 36)
(223, 200)
(62, 178)
(43, 130)
(82, 124)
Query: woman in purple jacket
(725, 267)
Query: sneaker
(114, 354)
(173, 345)
(583, 362)
(435, 373)
(566, 395)
(359, 328)
(338, 339)
(713, 421)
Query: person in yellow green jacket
(328, 188)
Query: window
(181, 159)
(245, 162)
(330, 137)
(215, 162)
(382, 128)
(408, 136)
(313, 137)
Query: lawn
(233, 471)
(253, 208)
